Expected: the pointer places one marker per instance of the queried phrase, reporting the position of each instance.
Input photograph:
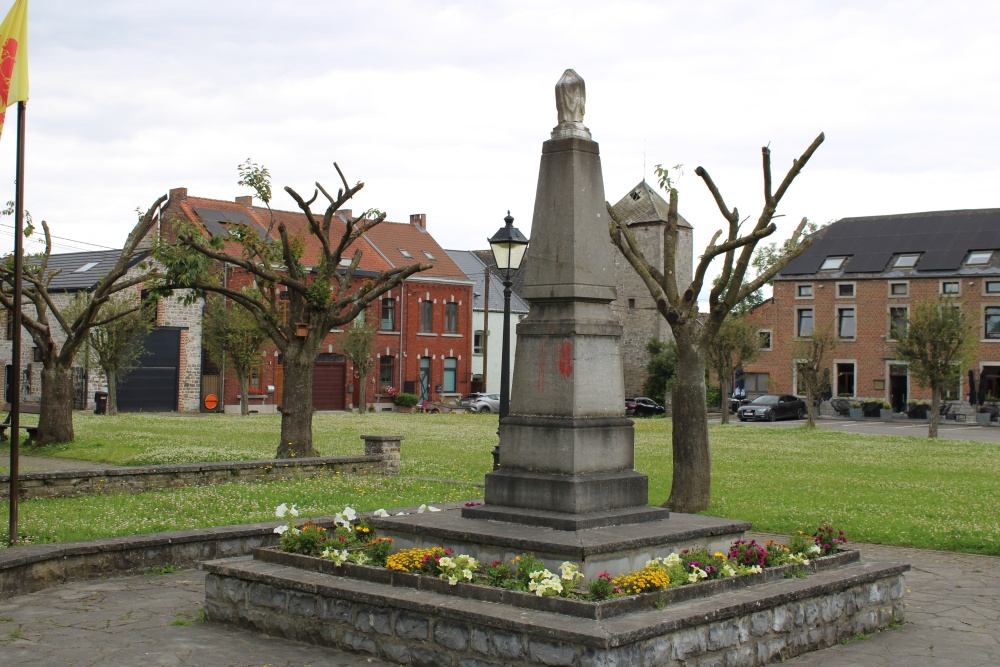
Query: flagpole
(15, 362)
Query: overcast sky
(441, 108)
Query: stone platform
(742, 627)
(615, 549)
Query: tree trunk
(297, 405)
(55, 423)
(690, 490)
(724, 398)
(363, 395)
(244, 380)
(112, 406)
(932, 426)
(810, 405)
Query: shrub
(405, 400)
(712, 396)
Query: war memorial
(566, 490)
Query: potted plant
(855, 410)
(885, 411)
(918, 410)
(983, 415)
(405, 402)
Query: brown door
(328, 385)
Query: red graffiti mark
(541, 368)
(566, 359)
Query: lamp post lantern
(508, 246)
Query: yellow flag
(14, 58)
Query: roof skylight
(907, 261)
(428, 255)
(832, 263)
(86, 267)
(405, 253)
(978, 257)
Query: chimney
(245, 200)
(179, 193)
(419, 220)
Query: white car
(486, 403)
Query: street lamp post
(508, 246)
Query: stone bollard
(386, 446)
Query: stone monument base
(615, 549)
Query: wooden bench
(26, 409)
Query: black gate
(153, 385)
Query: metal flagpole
(15, 362)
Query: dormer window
(405, 253)
(907, 261)
(832, 263)
(86, 267)
(428, 255)
(345, 261)
(978, 257)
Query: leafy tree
(691, 486)
(357, 345)
(812, 356)
(117, 343)
(233, 338)
(294, 304)
(734, 344)
(938, 343)
(55, 423)
(661, 368)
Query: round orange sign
(211, 402)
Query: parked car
(471, 398)
(486, 403)
(773, 406)
(643, 407)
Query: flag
(14, 58)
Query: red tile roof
(393, 237)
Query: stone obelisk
(567, 449)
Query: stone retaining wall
(381, 457)
(755, 626)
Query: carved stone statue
(571, 102)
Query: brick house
(861, 277)
(424, 341)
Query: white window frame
(888, 315)
(988, 253)
(983, 338)
(798, 322)
(907, 255)
(854, 290)
(798, 290)
(840, 264)
(836, 320)
(905, 283)
(770, 339)
(942, 283)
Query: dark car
(773, 406)
(643, 407)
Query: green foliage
(357, 345)
(661, 368)
(712, 396)
(307, 539)
(405, 400)
(664, 179)
(601, 588)
(257, 178)
(734, 344)
(378, 551)
(937, 343)
(116, 344)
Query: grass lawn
(940, 494)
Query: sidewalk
(952, 619)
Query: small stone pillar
(386, 446)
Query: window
(9, 329)
(846, 323)
(993, 287)
(845, 379)
(803, 291)
(425, 378)
(804, 322)
(845, 290)
(426, 316)
(950, 287)
(450, 374)
(385, 366)
(477, 342)
(756, 382)
(36, 354)
(764, 339)
(254, 386)
(978, 257)
(451, 317)
(992, 322)
(898, 317)
(86, 267)
(952, 391)
(899, 289)
(405, 253)
(428, 255)
(832, 263)
(907, 261)
(631, 303)
(388, 314)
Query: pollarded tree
(60, 332)
(294, 304)
(117, 343)
(233, 338)
(735, 343)
(690, 490)
(938, 343)
(812, 355)
(357, 346)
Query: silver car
(486, 403)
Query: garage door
(153, 385)
(328, 385)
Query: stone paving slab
(952, 620)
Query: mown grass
(910, 491)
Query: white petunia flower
(350, 514)
(380, 513)
(422, 509)
(293, 510)
(280, 530)
(281, 510)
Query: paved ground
(952, 430)
(953, 620)
(40, 463)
